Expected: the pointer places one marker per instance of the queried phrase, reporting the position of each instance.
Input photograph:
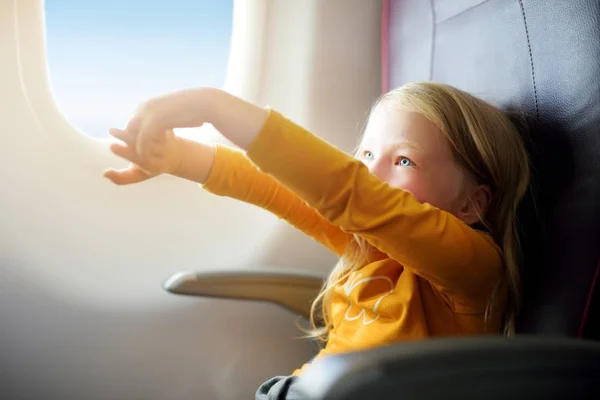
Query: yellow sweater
(433, 273)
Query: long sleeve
(426, 240)
(234, 175)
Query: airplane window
(106, 56)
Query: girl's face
(408, 151)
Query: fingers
(159, 139)
(133, 125)
(126, 176)
(125, 151)
(153, 162)
(144, 148)
(122, 135)
(140, 131)
(141, 149)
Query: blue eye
(405, 162)
(368, 155)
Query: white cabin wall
(82, 310)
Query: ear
(477, 204)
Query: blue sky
(106, 56)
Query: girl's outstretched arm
(228, 172)
(234, 175)
(225, 172)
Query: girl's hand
(163, 156)
(238, 120)
(180, 109)
(151, 146)
(149, 142)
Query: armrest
(291, 290)
(526, 367)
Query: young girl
(423, 217)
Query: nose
(379, 169)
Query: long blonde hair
(488, 146)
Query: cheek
(445, 191)
(439, 193)
(412, 183)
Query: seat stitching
(535, 95)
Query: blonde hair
(488, 146)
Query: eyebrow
(401, 144)
(407, 144)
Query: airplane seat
(539, 59)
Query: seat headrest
(541, 57)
